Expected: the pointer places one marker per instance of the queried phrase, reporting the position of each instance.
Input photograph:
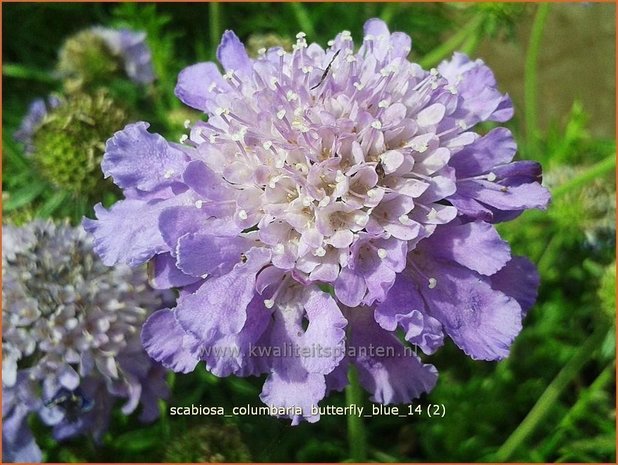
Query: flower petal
(518, 279)
(136, 158)
(167, 343)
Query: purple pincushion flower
(319, 170)
(70, 338)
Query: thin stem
(530, 73)
(596, 170)
(549, 397)
(357, 438)
(580, 408)
(453, 43)
(214, 23)
(23, 72)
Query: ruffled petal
(137, 158)
(167, 343)
(482, 321)
(232, 54)
(127, 233)
(497, 147)
(475, 245)
(197, 84)
(163, 273)
(518, 279)
(202, 254)
(394, 376)
(218, 307)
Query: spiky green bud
(86, 59)
(209, 444)
(70, 141)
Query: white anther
(433, 282)
(301, 167)
(242, 214)
(381, 253)
(372, 193)
(261, 51)
(280, 52)
(462, 124)
(420, 148)
(377, 124)
(281, 114)
(491, 177)
(433, 71)
(269, 303)
(267, 145)
(307, 69)
(168, 174)
(273, 81)
(359, 86)
(383, 104)
(330, 43)
(369, 37)
(187, 124)
(404, 219)
(204, 276)
(183, 138)
(280, 163)
(325, 201)
(452, 89)
(340, 177)
(212, 86)
(279, 249)
(307, 200)
(221, 111)
(212, 138)
(301, 35)
(228, 75)
(199, 203)
(350, 58)
(320, 252)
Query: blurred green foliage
(551, 400)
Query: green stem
(23, 72)
(214, 23)
(303, 19)
(453, 43)
(549, 397)
(596, 170)
(471, 43)
(580, 408)
(357, 439)
(530, 73)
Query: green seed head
(209, 444)
(85, 59)
(70, 142)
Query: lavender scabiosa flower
(70, 337)
(325, 170)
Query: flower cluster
(70, 337)
(332, 197)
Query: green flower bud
(70, 141)
(209, 444)
(86, 59)
(589, 210)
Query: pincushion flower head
(70, 337)
(331, 197)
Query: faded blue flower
(70, 337)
